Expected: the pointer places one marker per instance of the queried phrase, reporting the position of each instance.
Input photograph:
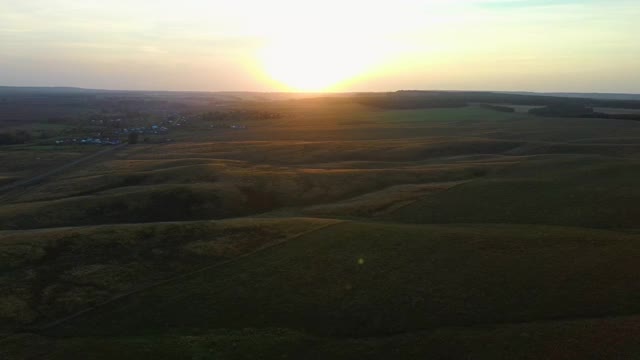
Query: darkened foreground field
(341, 231)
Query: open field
(20, 162)
(341, 228)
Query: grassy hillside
(334, 231)
(365, 279)
(393, 283)
(21, 162)
(577, 339)
(48, 274)
(163, 203)
(593, 193)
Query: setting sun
(307, 63)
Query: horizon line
(52, 87)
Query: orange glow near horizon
(318, 63)
(329, 45)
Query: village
(117, 126)
(114, 131)
(89, 141)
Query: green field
(337, 231)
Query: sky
(325, 45)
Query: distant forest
(549, 105)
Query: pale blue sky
(538, 45)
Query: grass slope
(599, 193)
(606, 338)
(474, 234)
(51, 273)
(377, 280)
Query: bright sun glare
(328, 44)
(320, 63)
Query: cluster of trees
(552, 106)
(519, 98)
(500, 108)
(238, 115)
(17, 137)
(563, 110)
(411, 100)
(578, 111)
(133, 138)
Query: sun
(306, 63)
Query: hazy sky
(538, 45)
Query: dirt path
(46, 326)
(6, 189)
